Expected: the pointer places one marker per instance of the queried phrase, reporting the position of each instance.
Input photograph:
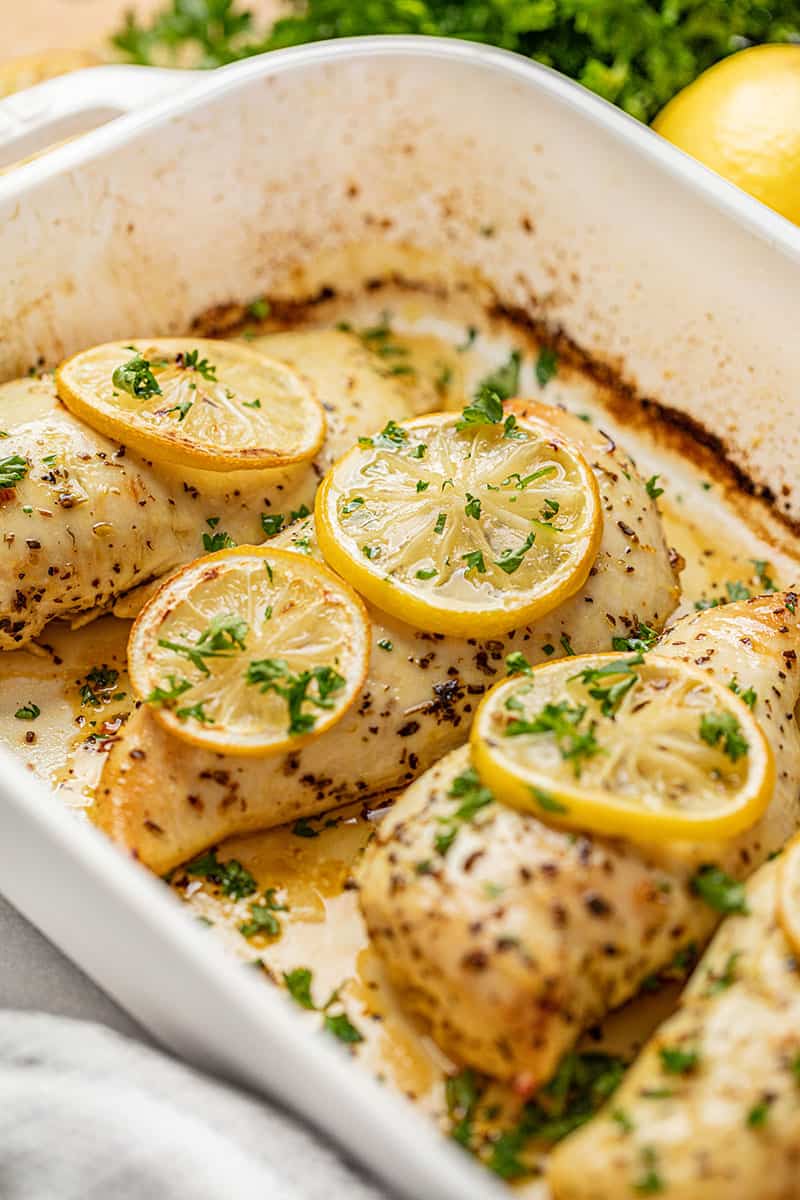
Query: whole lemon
(742, 118)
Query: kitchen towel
(87, 1113)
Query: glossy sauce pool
(727, 542)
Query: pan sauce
(718, 533)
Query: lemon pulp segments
(643, 746)
(462, 529)
(196, 402)
(250, 650)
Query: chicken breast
(523, 936)
(90, 520)
(724, 1122)
(165, 800)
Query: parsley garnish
(765, 582)
(548, 802)
(136, 378)
(511, 560)
(675, 1061)
(473, 507)
(523, 481)
(643, 638)
(517, 663)
(748, 695)
(181, 408)
(218, 541)
(385, 644)
(475, 561)
(720, 983)
(303, 829)
(274, 675)
(195, 712)
(352, 505)
(12, 470)
(653, 490)
(100, 681)
(194, 362)
(716, 727)
(757, 1116)
(485, 409)
(28, 712)
(262, 917)
(340, 1025)
(650, 1182)
(462, 1095)
(441, 521)
(610, 695)
(472, 796)
(165, 697)
(562, 720)
(272, 523)
(389, 438)
(223, 636)
(234, 879)
(298, 983)
(426, 573)
(719, 890)
(546, 366)
(566, 646)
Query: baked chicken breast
(165, 800)
(90, 520)
(710, 1110)
(523, 936)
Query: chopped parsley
(422, 485)
(757, 1116)
(12, 470)
(100, 682)
(136, 378)
(272, 523)
(218, 541)
(650, 1182)
(472, 796)
(224, 636)
(503, 382)
(351, 505)
(386, 644)
(262, 919)
(653, 490)
(426, 573)
(164, 696)
(719, 890)
(28, 712)
(546, 367)
(274, 675)
(563, 720)
(475, 561)
(303, 829)
(181, 408)
(721, 983)
(722, 727)
(737, 591)
(441, 521)
(511, 560)
(765, 582)
(195, 712)
(610, 695)
(566, 646)
(522, 481)
(340, 1025)
(473, 507)
(747, 695)
(193, 362)
(390, 438)
(258, 309)
(298, 984)
(462, 1094)
(517, 663)
(547, 802)
(234, 879)
(643, 638)
(676, 1061)
(485, 409)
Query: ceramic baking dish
(257, 179)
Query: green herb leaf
(719, 890)
(546, 366)
(511, 560)
(722, 727)
(28, 712)
(310, 687)
(342, 1028)
(298, 984)
(136, 378)
(234, 879)
(12, 470)
(653, 490)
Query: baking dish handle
(68, 105)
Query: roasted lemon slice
(216, 405)
(789, 892)
(646, 747)
(462, 526)
(250, 651)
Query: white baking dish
(251, 182)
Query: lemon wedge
(641, 746)
(250, 651)
(462, 526)
(789, 892)
(216, 405)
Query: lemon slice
(216, 405)
(250, 651)
(789, 892)
(646, 747)
(462, 528)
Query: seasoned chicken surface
(724, 1123)
(165, 800)
(91, 520)
(522, 936)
